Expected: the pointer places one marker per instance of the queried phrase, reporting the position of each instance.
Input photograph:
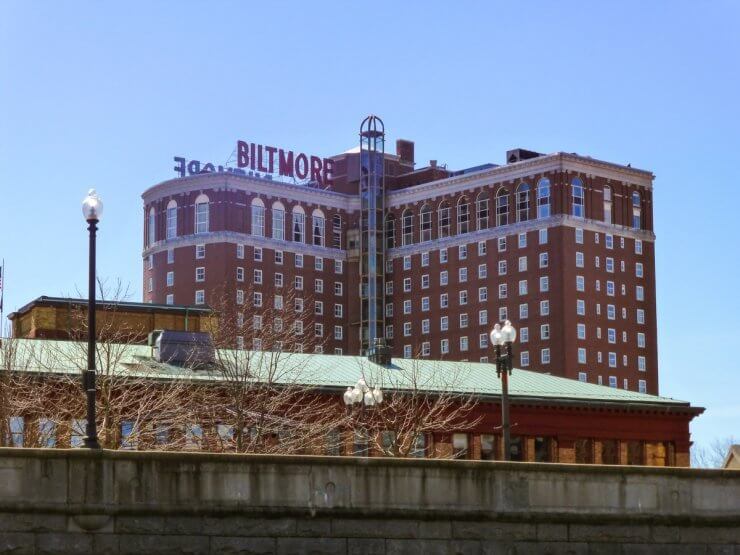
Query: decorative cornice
(520, 227)
(248, 184)
(236, 238)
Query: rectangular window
(544, 308)
(406, 262)
(407, 307)
(424, 259)
(640, 293)
(545, 356)
(612, 360)
(640, 316)
(442, 256)
(443, 300)
(463, 298)
(444, 323)
(425, 326)
(258, 220)
(338, 311)
(278, 302)
(544, 284)
(543, 236)
(258, 254)
(407, 351)
(425, 349)
(638, 270)
(338, 288)
(318, 264)
(641, 365)
(200, 252)
(338, 332)
(200, 274)
(170, 279)
(257, 299)
(579, 236)
(279, 257)
(240, 274)
(482, 271)
(443, 280)
(407, 285)
(613, 381)
(464, 343)
(580, 307)
(524, 335)
(389, 332)
(523, 287)
(579, 260)
(462, 252)
(610, 288)
(582, 377)
(502, 267)
(483, 340)
(318, 330)
(425, 304)
(524, 358)
(318, 285)
(641, 340)
(463, 320)
(609, 264)
(502, 291)
(481, 248)
(200, 297)
(642, 386)
(611, 312)
(318, 307)
(522, 263)
(462, 275)
(545, 332)
(503, 314)
(523, 311)
(580, 283)
(522, 240)
(581, 355)
(278, 280)
(638, 246)
(338, 267)
(444, 346)
(170, 299)
(581, 331)
(544, 260)
(482, 294)
(483, 317)
(171, 256)
(501, 244)
(298, 260)
(609, 241)
(298, 304)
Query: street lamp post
(92, 209)
(502, 340)
(361, 395)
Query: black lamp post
(92, 208)
(503, 340)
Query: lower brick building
(553, 419)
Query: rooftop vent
(519, 154)
(183, 348)
(380, 352)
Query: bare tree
(264, 399)
(136, 403)
(712, 455)
(418, 400)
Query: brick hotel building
(560, 244)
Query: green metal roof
(339, 371)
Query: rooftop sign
(285, 163)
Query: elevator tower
(372, 245)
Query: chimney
(405, 151)
(433, 163)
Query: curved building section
(560, 244)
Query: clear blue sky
(103, 95)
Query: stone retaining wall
(75, 501)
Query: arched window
(636, 210)
(444, 220)
(201, 214)
(522, 202)
(336, 227)
(543, 198)
(317, 226)
(481, 210)
(278, 221)
(425, 223)
(407, 222)
(608, 205)
(463, 215)
(390, 231)
(299, 225)
(576, 188)
(258, 217)
(171, 219)
(502, 207)
(151, 227)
